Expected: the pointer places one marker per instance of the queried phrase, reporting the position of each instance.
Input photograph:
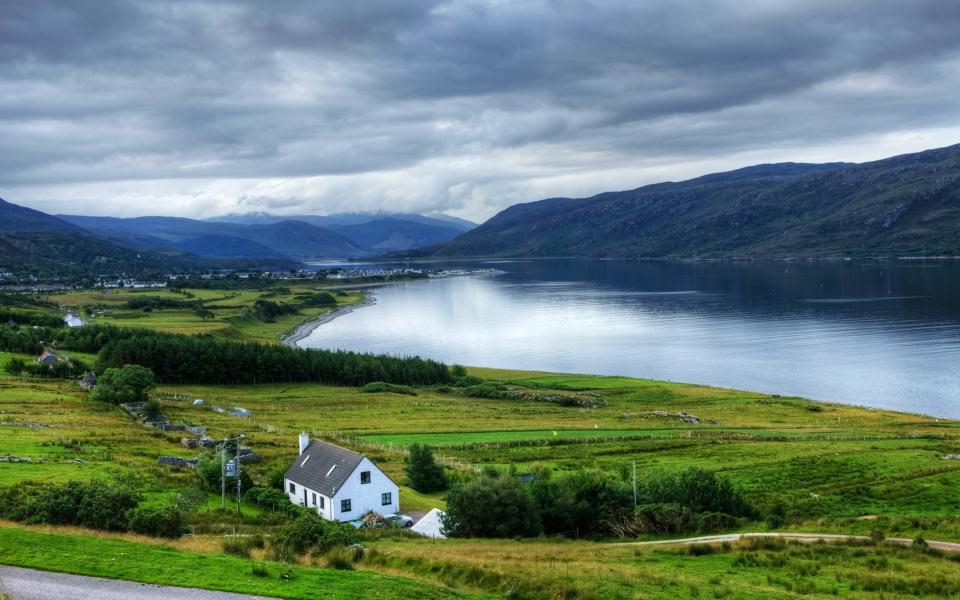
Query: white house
(340, 484)
(73, 320)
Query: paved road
(28, 584)
(801, 537)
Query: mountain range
(35, 242)
(260, 235)
(907, 205)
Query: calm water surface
(883, 334)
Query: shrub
(152, 410)
(664, 517)
(380, 386)
(463, 381)
(697, 489)
(495, 507)
(486, 390)
(423, 472)
(310, 533)
(269, 497)
(16, 366)
(589, 502)
(94, 504)
(165, 522)
(710, 521)
(129, 383)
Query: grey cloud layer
(448, 105)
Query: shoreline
(304, 330)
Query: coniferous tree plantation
(180, 359)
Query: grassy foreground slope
(837, 468)
(162, 564)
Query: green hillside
(903, 206)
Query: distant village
(34, 283)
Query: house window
(345, 506)
(321, 501)
(386, 498)
(293, 488)
(364, 476)
(314, 498)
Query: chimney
(304, 442)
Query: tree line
(593, 504)
(206, 360)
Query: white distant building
(73, 320)
(340, 484)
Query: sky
(199, 109)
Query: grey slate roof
(311, 468)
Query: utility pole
(634, 484)
(238, 473)
(223, 475)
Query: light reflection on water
(884, 334)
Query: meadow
(227, 311)
(834, 468)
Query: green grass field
(154, 563)
(845, 469)
(228, 308)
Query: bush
(380, 386)
(16, 366)
(710, 521)
(491, 507)
(269, 497)
(698, 490)
(309, 533)
(589, 503)
(95, 504)
(486, 390)
(423, 472)
(165, 522)
(463, 381)
(664, 517)
(152, 410)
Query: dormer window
(364, 476)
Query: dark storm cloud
(461, 105)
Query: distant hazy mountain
(376, 233)
(289, 239)
(35, 242)
(387, 235)
(903, 206)
(262, 218)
